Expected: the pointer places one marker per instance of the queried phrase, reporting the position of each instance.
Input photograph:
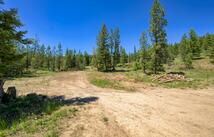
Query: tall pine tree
(212, 54)
(53, 60)
(185, 52)
(10, 35)
(68, 59)
(42, 56)
(48, 57)
(143, 54)
(115, 47)
(158, 35)
(123, 56)
(59, 57)
(103, 52)
(94, 59)
(194, 44)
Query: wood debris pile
(170, 77)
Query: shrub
(136, 66)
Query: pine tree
(123, 56)
(172, 50)
(103, 53)
(94, 59)
(70, 58)
(144, 45)
(53, 60)
(36, 61)
(28, 55)
(158, 35)
(211, 48)
(212, 54)
(49, 57)
(186, 52)
(74, 59)
(10, 35)
(194, 44)
(67, 60)
(111, 45)
(135, 56)
(42, 56)
(17, 68)
(86, 59)
(208, 41)
(115, 47)
(59, 57)
(80, 61)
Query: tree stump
(1, 90)
(11, 91)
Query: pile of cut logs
(170, 77)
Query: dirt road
(154, 112)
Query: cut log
(11, 91)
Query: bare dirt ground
(149, 112)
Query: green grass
(181, 84)
(100, 80)
(52, 134)
(141, 77)
(37, 73)
(103, 83)
(194, 79)
(201, 76)
(45, 124)
(31, 73)
(30, 115)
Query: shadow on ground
(16, 110)
(74, 101)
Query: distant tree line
(39, 56)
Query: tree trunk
(1, 89)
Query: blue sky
(75, 23)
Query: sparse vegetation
(97, 79)
(105, 119)
(106, 80)
(102, 83)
